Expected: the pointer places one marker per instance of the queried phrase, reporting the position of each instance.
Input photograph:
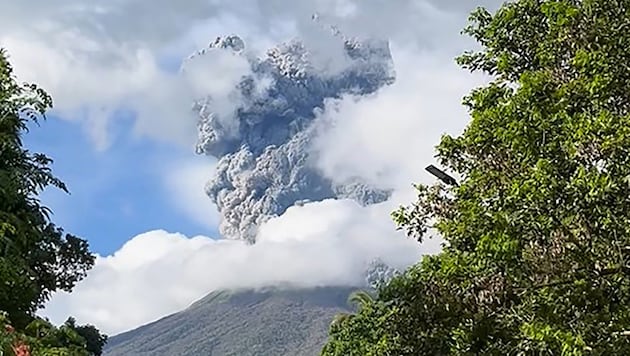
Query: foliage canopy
(40, 338)
(36, 257)
(537, 233)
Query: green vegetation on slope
(36, 257)
(537, 233)
(40, 338)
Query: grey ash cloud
(265, 164)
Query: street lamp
(441, 175)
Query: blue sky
(115, 194)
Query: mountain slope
(272, 322)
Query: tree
(36, 257)
(94, 340)
(40, 338)
(537, 233)
(359, 299)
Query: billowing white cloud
(96, 58)
(85, 89)
(388, 138)
(156, 273)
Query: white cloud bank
(156, 273)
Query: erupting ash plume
(263, 147)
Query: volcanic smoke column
(264, 166)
